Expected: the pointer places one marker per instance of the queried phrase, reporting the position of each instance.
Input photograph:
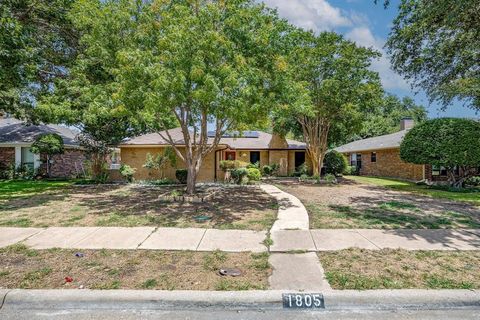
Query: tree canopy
(338, 83)
(37, 44)
(445, 142)
(435, 44)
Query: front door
(299, 158)
(254, 157)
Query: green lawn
(471, 196)
(10, 189)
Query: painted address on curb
(303, 301)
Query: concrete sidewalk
(375, 239)
(198, 239)
(195, 239)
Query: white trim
(18, 157)
(36, 161)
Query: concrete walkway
(195, 239)
(375, 239)
(291, 212)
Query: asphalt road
(116, 314)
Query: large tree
(37, 43)
(451, 143)
(385, 117)
(155, 65)
(435, 44)
(338, 82)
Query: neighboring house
(16, 138)
(251, 146)
(380, 156)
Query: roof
(16, 131)
(387, 141)
(257, 140)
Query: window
(27, 158)
(373, 157)
(359, 160)
(353, 159)
(254, 157)
(439, 171)
(230, 155)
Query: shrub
(232, 164)
(301, 170)
(255, 165)
(350, 170)
(239, 174)
(335, 163)
(271, 170)
(253, 174)
(473, 181)
(330, 178)
(127, 172)
(181, 175)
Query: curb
(18, 299)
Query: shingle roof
(387, 141)
(15, 131)
(260, 142)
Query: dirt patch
(400, 269)
(21, 267)
(354, 205)
(135, 205)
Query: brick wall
(389, 164)
(7, 156)
(66, 165)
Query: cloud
(320, 15)
(363, 36)
(317, 15)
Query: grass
(361, 269)
(60, 203)
(21, 267)
(388, 215)
(16, 189)
(471, 196)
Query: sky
(368, 25)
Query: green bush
(181, 175)
(271, 170)
(350, 171)
(239, 174)
(301, 170)
(473, 181)
(255, 165)
(330, 178)
(232, 164)
(253, 174)
(127, 172)
(335, 163)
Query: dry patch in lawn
(353, 205)
(21, 267)
(400, 269)
(136, 205)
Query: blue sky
(367, 24)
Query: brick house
(380, 156)
(251, 146)
(16, 139)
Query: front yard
(42, 204)
(355, 202)
(25, 268)
(400, 269)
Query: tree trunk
(192, 170)
(48, 166)
(315, 132)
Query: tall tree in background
(37, 43)
(337, 79)
(385, 117)
(435, 44)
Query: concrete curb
(18, 299)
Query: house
(249, 146)
(16, 138)
(380, 156)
